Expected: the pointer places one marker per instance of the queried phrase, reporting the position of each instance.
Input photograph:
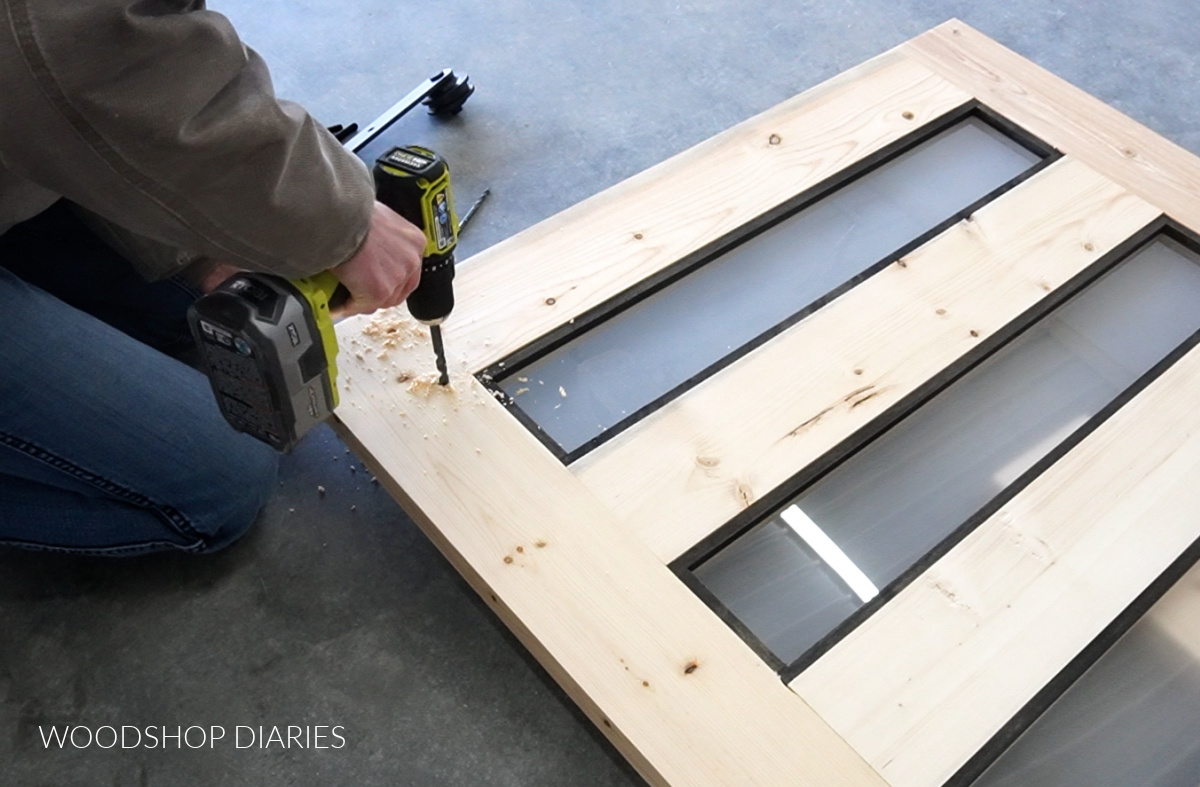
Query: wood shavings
(391, 331)
(426, 385)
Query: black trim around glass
(513, 364)
(1095, 650)
(783, 494)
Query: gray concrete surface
(333, 615)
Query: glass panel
(642, 353)
(1131, 719)
(888, 505)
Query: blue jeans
(108, 445)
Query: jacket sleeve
(153, 115)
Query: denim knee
(116, 448)
(247, 480)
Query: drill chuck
(433, 300)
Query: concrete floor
(328, 615)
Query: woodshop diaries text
(126, 736)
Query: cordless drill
(415, 182)
(268, 344)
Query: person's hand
(387, 267)
(214, 275)
(206, 274)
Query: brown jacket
(153, 115)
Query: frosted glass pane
(1132, 719)
(627, 362)
(893, 501)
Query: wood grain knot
(857, 391)
(744, 493)
(551, 301)
(974, 333)
(774, 139)
(638, 236)
(540, 544)
(861, 396)
(508, 559)
(707, 461)
(940, 312)
(810, 422)
(907, 115)
(691, 667)
(1089, 246)
(520, 549)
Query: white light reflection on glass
(811, 534)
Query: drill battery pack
(269, 350)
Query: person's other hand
(214, 275)
(387, 267)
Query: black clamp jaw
(443, 93)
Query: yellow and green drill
(268, 344)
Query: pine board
(688, 468)
(573, 559)
(1117, 146)
(550, 274)
(928, 680)
(674, 688)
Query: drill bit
(435, 333)
(471, 211)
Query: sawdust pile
(426, 385)
(391, 331)
(408, 367)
